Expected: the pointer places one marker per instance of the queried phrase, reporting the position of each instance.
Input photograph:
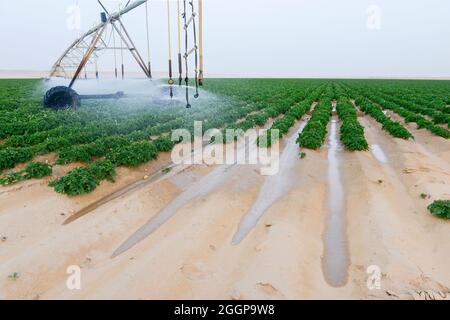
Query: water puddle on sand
(335, 260)
(378, 153)
(199, 189)
(273, 189)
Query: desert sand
(191, 255)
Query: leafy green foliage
(133, 133)
(9, 157)
(426, 113)
(284, 123)
(352, 136)
(440, 208)
(103, 170)
(38, 170)
(424, 196)
(85, 179)
(396, 129)
(410, 116)
(11, 178)
(352, 132)
(163, 144)
(314, 133)
(77, 182)
(133, 154)
(82, 153)
(14, 276)
(34, 170)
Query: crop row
(285, 122)
(416, 101)
(351, 132)
(436, 116)
(90, 139)
(85, 179)
(435, 102)
(34, 170)
(409, 116)
(394, 128)
(314, 133)
(261, 118)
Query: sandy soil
(190, 256)
(22, 74)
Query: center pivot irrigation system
(86, 50)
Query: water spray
(85, 51)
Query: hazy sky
(296, 38)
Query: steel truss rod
(196, 52)
(171, 82)
(200, 41)
(148, 39)
(131, 47)
(87, 54)
(186, 79)
(187, 54)
(93, 31)
(190, 20)
(180, 60)
(107, 48)
(101, 4)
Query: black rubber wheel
(61, 97)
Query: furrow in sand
(336, 257)
(275, 187)
(389, 227)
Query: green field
(104, 135)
